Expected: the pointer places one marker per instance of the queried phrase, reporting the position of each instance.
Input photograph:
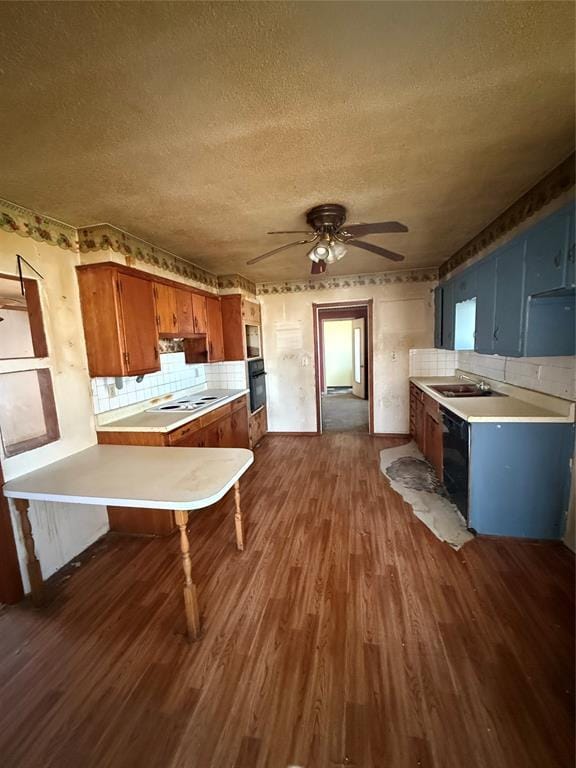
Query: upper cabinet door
(215, 336)
(199, 311)
(465, 285)
(166, 309)
(509, 312)
(140, 335)
(571, 253)
(438, 293)
(485, 304)
(546, 254)
(184, 313)
(448, 316)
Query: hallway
(343, 412)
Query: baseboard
(293, 434)
(404, 435)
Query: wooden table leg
(190, 596)
(32, 562)
(238, 517)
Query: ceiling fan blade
(318, 267)
(291, 232)
(376, 228)
(376, 249)
(282, 248)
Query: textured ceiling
(200, 126)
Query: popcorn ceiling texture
(200, 126)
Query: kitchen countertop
(519, 405)
(167, 421)
(134, 476)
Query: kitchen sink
(464, 390)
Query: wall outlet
(112, 392)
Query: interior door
(359, 357)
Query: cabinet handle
(174, 319)
(571, 253)
(496, 333)
(155, 353)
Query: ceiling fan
(329, 237)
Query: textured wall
(403, 319)
(61, 531)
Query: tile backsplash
(175, 374)
(551, 375)
(432, 362)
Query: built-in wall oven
(257, 384)
(455, 459)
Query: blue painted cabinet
(465, 285)
(485, 303)
(507, 332)
(520, 478)
(550, 325)
(524, 293)
(438, 295)
(546, 254)
(571, 251)
(448, 316)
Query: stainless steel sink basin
(463, 390)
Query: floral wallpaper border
(236, 282)
(558, 181)
(103, 237)
(24, 222)
(349, 281)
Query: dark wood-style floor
(345, 635)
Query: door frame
(343, 310)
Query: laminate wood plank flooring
(345, 634)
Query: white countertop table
(178, 480)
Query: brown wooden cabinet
(224, 427)
(184, 312)
(119, 321)
(258, 426)
(199, 312)
(214, 335)
(237, 313)
(426, 427)
(125, 311)
(166, 309)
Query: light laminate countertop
(167, 421)
(518, 405)
(135, 476)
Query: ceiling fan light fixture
(320, 252)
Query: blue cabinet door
(438, 317)
(551, 325)
(509, 311)
(465, 285)
(546, 254)
(485, 303)
(519, 478)
(571, 252)
(448, 316)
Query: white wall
(403, 319)
(61, 531)
(338, 368)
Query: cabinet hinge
(118, 286)
(127, 358)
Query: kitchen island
(177, 480)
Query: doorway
(343, 351)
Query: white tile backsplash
(175, 374)
(432, 362)
(551, 375)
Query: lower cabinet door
(226, 435)
(212, 435)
